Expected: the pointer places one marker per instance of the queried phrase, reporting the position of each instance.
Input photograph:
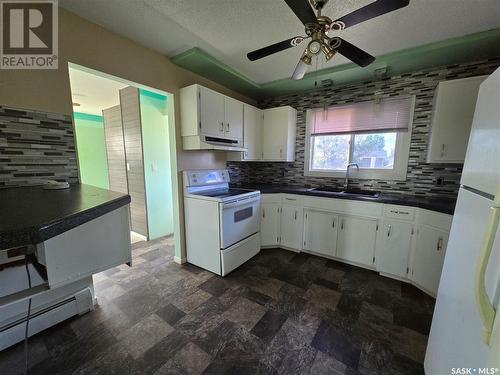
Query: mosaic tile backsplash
(421, 177)
(35, 146)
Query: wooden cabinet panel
(357, 240)
(132, 134)
(270, 224)
(115, 149)
(428, 257)
(454, 106)
(211, 112)
(320, 232)
(393, 250)
(233, 118)
(252, 132)
(291, 227)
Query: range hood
(206, 142)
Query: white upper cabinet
(252, 135)
(211, 105)
(454, 104)
(279, 134)
(269, 135)
(233, 118)
(210, 120)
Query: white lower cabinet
(357, 238)
(291, 227)
(428, 257)
(270, 224)
(402, 242)
(320, 232)
(393, 250)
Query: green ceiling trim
(204, 64)
(472, 47)
(87, 116)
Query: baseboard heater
(44, 318)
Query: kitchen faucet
(346, 179)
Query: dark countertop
(30, 215)
(443, 205)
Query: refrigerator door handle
(486, 310)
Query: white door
(481, 167)
(456, 337)
(428, 257)
(211, 112)
(275, 132)
(233, 117)
(357, 239)
(291, 227)
(252, 132)
(320, 232)
(393, 252)
(270, 224)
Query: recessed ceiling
(228, 29)
(92, 92)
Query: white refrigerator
(465, 331)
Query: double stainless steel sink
(348, 192)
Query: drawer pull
(400, 212)
(290, 199)
(389, 231)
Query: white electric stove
(222, 223)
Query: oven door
(239, 219)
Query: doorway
(125, 142)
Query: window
(375, 135)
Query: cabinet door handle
(443, 150)
(389, 230)
(439, 244)
(342, 225)
(221, 126)
(263, 212)
(486, 308)
(333, 223)
(295, 214)
(228, 127)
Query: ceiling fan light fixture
(306, 59)
(328, 51)
(314, 46)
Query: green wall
(92, 159)
(157, 172)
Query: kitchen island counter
(31, 215)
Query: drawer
(271, 198)
(291, 200)
(434, 219)
(392, 211)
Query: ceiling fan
(319, 29)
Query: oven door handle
(240, 202)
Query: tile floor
(280, 313)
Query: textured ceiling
(228, 29)
(92, 92)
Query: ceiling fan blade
(302, 10)
(353, 53)
(273, 48)
(300, 70)
(369, 11)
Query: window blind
(391, 114)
